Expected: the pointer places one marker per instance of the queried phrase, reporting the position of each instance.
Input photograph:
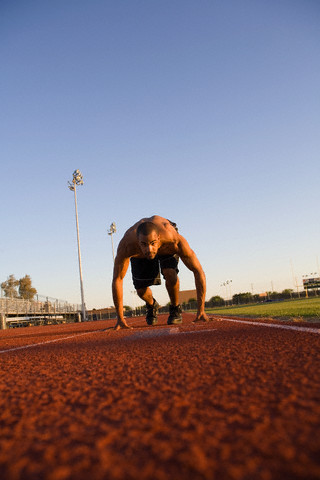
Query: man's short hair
(146, 228)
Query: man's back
(169, 238)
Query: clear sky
(204, 112)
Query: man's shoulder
(128, 245)
(160, 221)
(164, 225)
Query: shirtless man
(147, 244)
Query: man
(150, 243)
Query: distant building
(263, 295)
(101, 313)
(185, 295)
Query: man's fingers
(201, 319)
(123, 326)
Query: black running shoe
(152, 310)
(175, 316)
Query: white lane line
(272, 325)
(152, 333)
(200, 331)
(47, 341)
(163, 332)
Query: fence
(18, 306)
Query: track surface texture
(219, 400)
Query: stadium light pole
(294, 278)
(112, 230)
(226, 299)
(229, 282)
(77, 179)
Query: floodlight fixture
(77, 177)
(111, 231)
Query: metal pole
(112, 246)
(79, 255)
(229, 283)
(3, 322)
(226, 299)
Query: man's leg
(145, 294)
(144, 273)
(172, 286)
(152, 305)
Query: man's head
(148, 239)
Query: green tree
(274, 295)
(10, 287)
(287, 293)
(242, 298)
(192, 302)
(26, 290)
(216, 301)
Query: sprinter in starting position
(154, 244)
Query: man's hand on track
(201, 318)
(122, 325)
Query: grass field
(303, 309)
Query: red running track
(222, 400)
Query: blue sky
(204, 112)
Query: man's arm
(119, 271)
(190, 260)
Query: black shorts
(147, 272)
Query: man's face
(149, 244)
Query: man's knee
(170, 275)
(141, 291)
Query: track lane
(29, 338)
(235, 402)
